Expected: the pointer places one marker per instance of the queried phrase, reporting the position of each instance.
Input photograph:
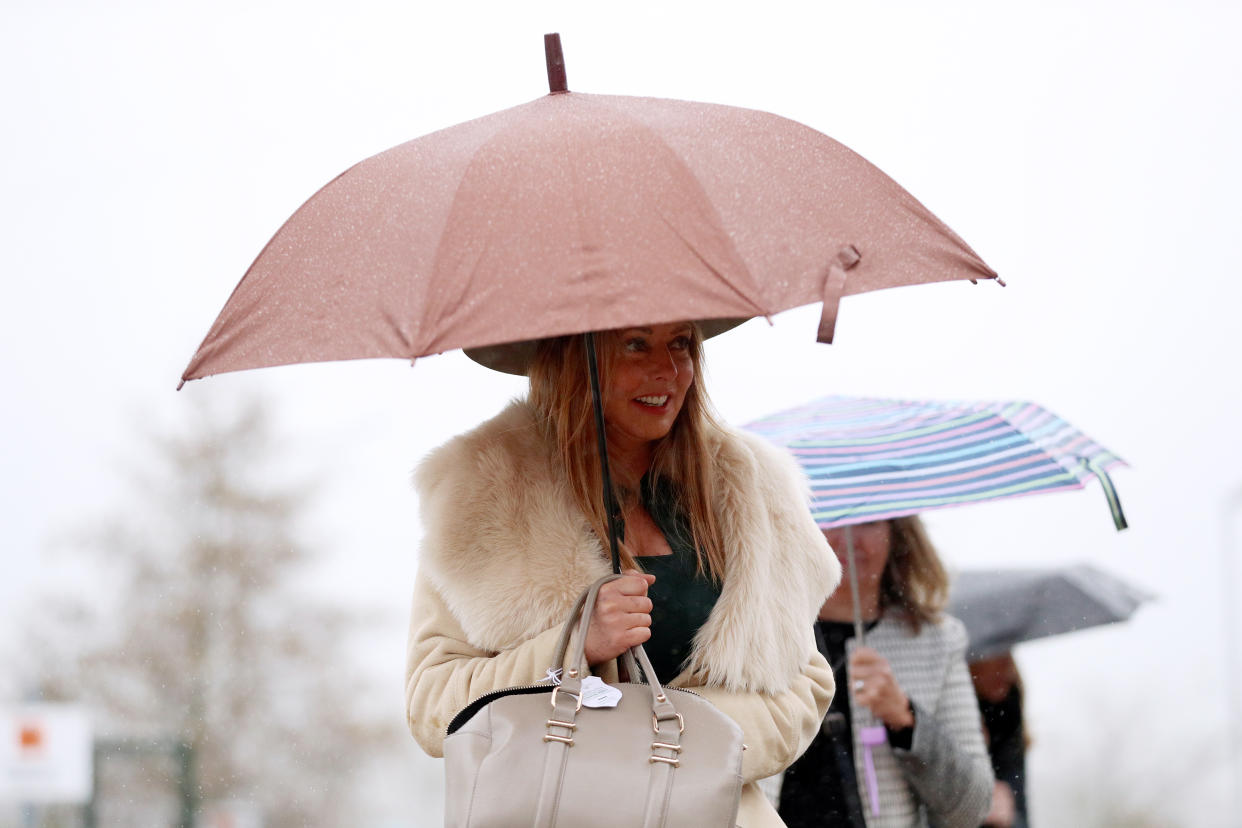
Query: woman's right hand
(622, 617)
(876, 687)
(1003, 810)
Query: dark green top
(682, 597)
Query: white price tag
(597, 694)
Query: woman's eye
(636, 345)
(681, 343)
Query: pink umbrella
(570, 214)
(576, 213)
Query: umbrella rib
(756, 308)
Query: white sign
(45, 753)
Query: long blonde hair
(560, 391)
(914, 581)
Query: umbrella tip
(556, 63)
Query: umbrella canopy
(1004, 607)
(576, 213)
(870, 459)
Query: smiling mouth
(657, 401)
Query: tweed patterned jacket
(945, 779)
(946, 771)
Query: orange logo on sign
(30, 737)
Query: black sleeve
(1007, 745)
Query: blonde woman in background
(911, 677)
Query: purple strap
(870, 737)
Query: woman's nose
(664, 365)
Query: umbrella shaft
(849, 559)
(610, 507)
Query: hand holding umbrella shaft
(622, 617)
(879, 689)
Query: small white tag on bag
(597, 694)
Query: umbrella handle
(871, 737)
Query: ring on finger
(859, 684)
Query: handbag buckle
(577, 698)
(655, 724)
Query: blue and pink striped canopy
(870, 459)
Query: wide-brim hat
(516, 357)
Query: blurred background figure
(998, 686)
(907, 676)
(874, 458)
(1002, 608)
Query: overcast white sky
(1088, 151)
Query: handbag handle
(667, 725)
(580, 616)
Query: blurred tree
(195, 625)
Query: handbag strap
(627, 659)
(567, 629)
(667, 724)
(580, 618)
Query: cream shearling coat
(506, 553)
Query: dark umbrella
(1001, 608)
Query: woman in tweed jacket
(911, 677)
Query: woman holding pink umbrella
(725, 570)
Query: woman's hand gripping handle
(622, 617)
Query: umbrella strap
(610, 507)
(1110, 492)
(870, 737)
(834, 288)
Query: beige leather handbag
(539, 756)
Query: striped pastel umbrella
(870, 459)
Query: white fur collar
(509, 552)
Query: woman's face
(648, 380)
(871, 544)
